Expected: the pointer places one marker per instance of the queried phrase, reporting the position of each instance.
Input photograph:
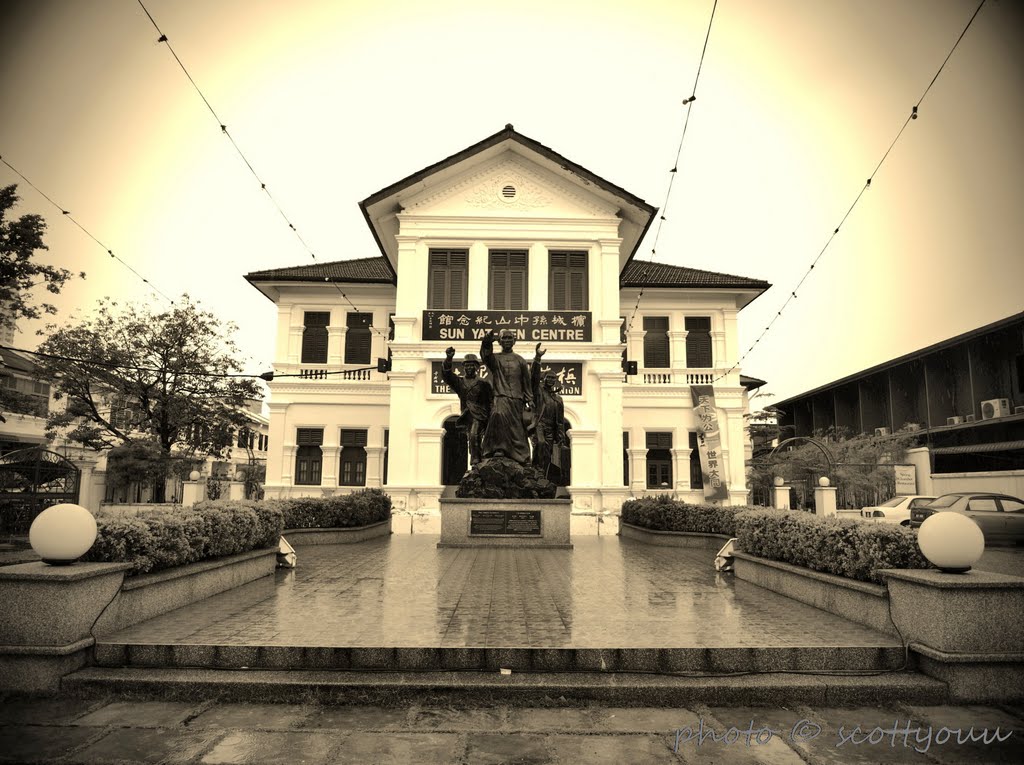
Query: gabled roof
(364, 270)
(642, 273)
(635, 213)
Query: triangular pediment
(507, 185)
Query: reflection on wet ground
(404, 592)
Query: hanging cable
(67, 214)
(688, 103)
(263, 186)
(914, 113)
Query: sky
(797, 102)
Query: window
(314, 337)
(656, 353)
(243, 438)
(567, 281)
(696, 474)
(698, 342)
(309, 458)
(353, 458)
(506, 281)
(982, 504)
(1011, 505)
(625, 458)
(384, 479)
(125, 415)
(357, 338)
(659, 460)
(447, 282)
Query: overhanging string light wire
(263, 186)
(67, 214)
(867, 185)
(688, 103)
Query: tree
(20, 238)
(130, 374)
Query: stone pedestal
(825, 500)
(193, 492)
(780, 497)
(505, 523)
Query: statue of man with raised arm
(474, 396)
(549, 439)
(512, 385)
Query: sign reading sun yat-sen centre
(529, 326)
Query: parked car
(896, 510)
(1000, 516)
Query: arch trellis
(31, 480)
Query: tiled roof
(638, 273)
(359, 270)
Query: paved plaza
(402, 591)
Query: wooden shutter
(698, 342)
(656, 346)
(314, 337)
(567, 281)
(659, 440)
(353, 438)
(309, 436)
(357, 338)
(447, 287)
(507, 282)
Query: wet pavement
(404, 592)
(208, 732)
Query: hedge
(170, 536)
(662, 513)
(838, 546)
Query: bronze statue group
(494, 411)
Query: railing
(346, 375)
(656, 376)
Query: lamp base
(962, 570)
(52, 562)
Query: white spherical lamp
(952, 542)
(62, 534)
(779, 480)
(823, 481)
(194, 475)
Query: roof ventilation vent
(509, 192)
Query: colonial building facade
(505, 234)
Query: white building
(504, 233)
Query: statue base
(505, 523)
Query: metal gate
(32, 480)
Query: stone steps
(469, 688)
(690, 660)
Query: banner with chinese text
(709, 442)
(569, 374)
(531, 326)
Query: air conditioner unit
(969, 418)
(995, 407)
(954, 420)
(1018, 410)
(881, 431)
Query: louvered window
(698, 341)
(384, 478)
(447, 280)
(659, 460)
(507, 280)
(353, 458)
(625, 458)
(656, 347)
(357, 338)
(314, 337)
(696, 476)
(309, 458)
(567, 281)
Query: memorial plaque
(505, 523)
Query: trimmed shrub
(361, 508)
(171, 536)
(831, 545)
(662, 513)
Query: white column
(374, 465)
(411, 292)
(428, 448)
(294, 344)
(610, 383)
(635, 343)
(681, 470)
(677, 350)
(585, 458)
(730, 352)
(478, 265)
(331, 467)
(401, 449)
(276, 433)
(336, 345)
(824, 500)
(287, 464)
(537, 276)
(637, 469)
(718, 349)
(603, 269)
(780, 497)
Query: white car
(896, 510)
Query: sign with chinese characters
(906, 479)
(524, 523)
(530, 326)
(709, 442)
(569, 374)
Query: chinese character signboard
(709, 442)
(569, 374)
(530, 326)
